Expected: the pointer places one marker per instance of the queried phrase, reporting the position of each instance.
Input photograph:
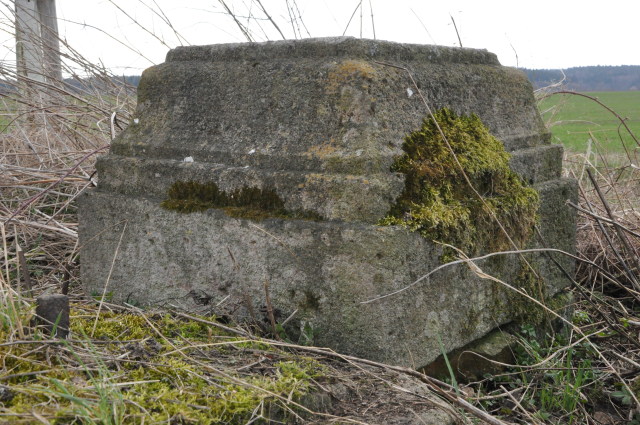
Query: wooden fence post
(37, 42)
(29, 54)
(50, 41)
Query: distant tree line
(81, 83)
(131, 79)
(589, 78)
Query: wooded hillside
(589, 78)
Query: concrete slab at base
(211, 263)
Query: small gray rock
(52, 313)
(6, 395)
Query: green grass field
(574, 120)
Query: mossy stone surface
(323, 271)
(459, 188)
(319, 121)
(321, 126)
(249, 202)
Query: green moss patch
(128, 368)
(249, 202)
(437, 201)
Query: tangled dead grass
(589, 374)
(592, 379)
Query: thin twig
(242, 28)
(352, 15)
(373, 23)
(456, 28)
(264, 10)
(24, 270)
(39, 195)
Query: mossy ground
(157, 368)
(439, 203)
(134, 367)
(249, 202)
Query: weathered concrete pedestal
(317, 122)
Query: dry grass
(47, 159)
(51, 133)
(589, 373)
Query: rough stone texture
(52, 313)
(319, 121)
(6, 395)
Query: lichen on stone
(248, 202)
(349, 71)
(438, 202)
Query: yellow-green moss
(180, 377)
(437, 201)
(127, 326)
(171, 395)
(249, 202)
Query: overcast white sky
(532, 34)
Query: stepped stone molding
(318, 122)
